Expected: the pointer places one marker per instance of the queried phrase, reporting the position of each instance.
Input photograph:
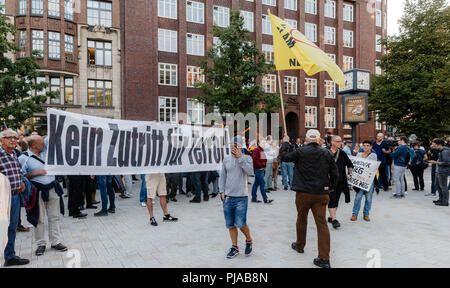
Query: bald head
(380, 137)
(36, 143)
(336, 142)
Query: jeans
(417, 173)
(268, 175)
(441, 185)
(367, 204)
(143, 192)
(399, 180)
(216, 186)
(9, 252)
(433, 179)
(388, 175)
(199, 182)
(259, 181)
(381, 181)
(287, 169)
(235, 211)
(106, 190)
(128, 184)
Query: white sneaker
(143, 204)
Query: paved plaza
(410, 232)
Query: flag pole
(282, 103)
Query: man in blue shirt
(400, 158)
(381, 147)
(33, 162)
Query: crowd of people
(317, 170)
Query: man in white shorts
(156, 184)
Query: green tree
(17, 100)
(232, 68)
(413, 95)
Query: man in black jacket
(314, 174)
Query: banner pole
(282, 104)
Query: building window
(195, 44)
(53, 8)
(348, 38)
(68, 91)
(348, 63)
(37, 7)
(99, 93)
(221, 16)
(332, 56)
(311, 6)
(348, 13)
(311, 32)
(290, 85)
(195, 112)
(39, 80)
(330, 89)
(100, 53)
(310, 87)
(293, 23)
(266, 25)
(168, 74)
(269, 2)
(290, 4)
(248, 20)
(54, 45)
(378, 68)
(330, 35)
(378, 43)
(330, 9)
(167, 40)
(55, 86)
(168, 109)
(167, 9)
(99, 13)
(22, 7)
(68, 9)
(310, 117)
(22, 43)
(195, 12)
(378, 18)
(330, 117)
(268, 53)
(269, 83)
(37, 42)
(194, 75)
(68, 48)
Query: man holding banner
(369, 155)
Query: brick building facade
(149, 94)
(80, 49)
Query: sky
(395, 12)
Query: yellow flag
(294, 51)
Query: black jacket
(315, 169)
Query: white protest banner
(364, 172)
(87, 145)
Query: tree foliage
(413, 95)
(232, 68)
(17, 100)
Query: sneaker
(441, 204)
(285, 188)
(112, 210)
(101, 213)
(397, 196)
(234, 251)
(16, 261)
(169, 218)
(40, 250)
(322, 263)
(153, 221)
(248, 247)
(268, 201)
(173, 199)
(437, 201)
(59, 247)
(430, 194)
(256, 201)
(336, 224)
(143, 204)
